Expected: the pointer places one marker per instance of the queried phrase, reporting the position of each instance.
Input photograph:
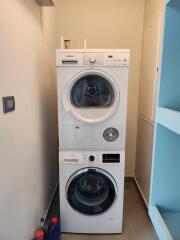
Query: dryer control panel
(88, 58)
(106, 59)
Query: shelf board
(169, 118)
(159, 224)
(167, 1)
(172, 220)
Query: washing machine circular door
(91, 191)
(92, 96)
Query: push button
(91, 158)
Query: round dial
(92, 59)
(91, 158)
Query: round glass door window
(92, 91)
(91, 191)
(91, 96)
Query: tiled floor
(137, 225)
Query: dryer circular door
(92, 96)
(91, 191)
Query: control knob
(91, 158)
(92, 59)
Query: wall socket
(8, 104)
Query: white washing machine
(92, 98)
(91, 191)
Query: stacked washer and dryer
(92, 107)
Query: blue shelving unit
(164, 205)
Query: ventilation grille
(111, 134)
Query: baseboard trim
(141, 195)
(51, 201)
(133, 180)
(129, 179)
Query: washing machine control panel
(86, 157)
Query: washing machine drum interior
(92, 97)
(91, 191)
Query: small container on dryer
(67, 44)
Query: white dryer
(92, 98)
(91, 191)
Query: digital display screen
(111, 158)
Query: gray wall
(28, 136)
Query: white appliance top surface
(92, 50)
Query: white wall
(148, 83)
(109, 24)
(28, 136)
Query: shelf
(169, 89)
(172, 220)
(159, 224)
(166, 223)
(164, 203)
(166, 169)
(166, 176)
(169, 118)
